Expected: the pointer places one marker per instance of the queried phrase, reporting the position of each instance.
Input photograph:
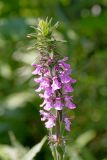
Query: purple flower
(64, 65)
(38, 80)
(56, 84)
(68, 88)
(41, 95)
(73, 80)
(39, 89)
(48, 92)
(37, 70)
(67, 124)
(65, 78)
(49, 117)
(68, 103)
(50, 123)
(45, 115)
(57, 68)
(58, 103)
(50, 60)
(48, 104)
(45, 83)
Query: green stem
(54, 152)
(59, 150)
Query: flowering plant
(55, 85)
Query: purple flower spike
(55, 85)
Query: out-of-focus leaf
(17, 151)
(21, 150)
(75, 151)
(85, 138)
(8, 153)
(33, 152)
(87, 154)
(17, 99)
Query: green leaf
(33, 152)
(85, 138)
(7, 153)
(16, 145)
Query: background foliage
(84, 26)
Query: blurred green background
(83, 23)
